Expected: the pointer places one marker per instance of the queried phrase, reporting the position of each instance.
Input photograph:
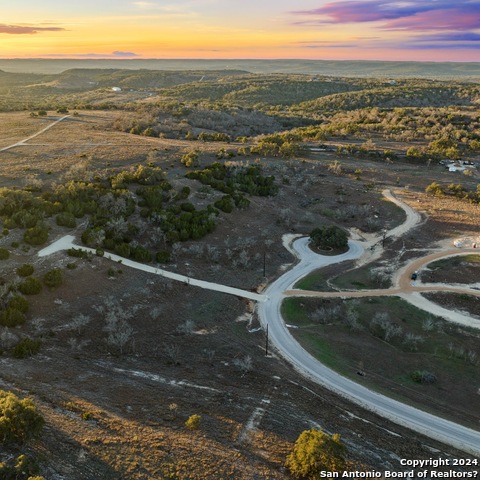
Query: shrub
(435, 189)
(66, 219)
(19, 303)
(30, 286)
(19, 468)
(193, 422)
(25, 270)
(77, 253)
(53, 278)
(141, 254)
(4, 254)
(19, 419)
(422, 376)
(26, 348)
(122, 249)
(315, 452)
(163, 256)
(37, 235)
(11, 317)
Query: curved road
(403, 286)
(270, 302)
(422, 422)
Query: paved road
(270, 302)
(438, 428)
(403, 286)
(67, 242)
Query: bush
(422, 376)
(141, 254)
(435, 189)
(36, 235)
(21, 468)
(66, 219)
(122, 249)
(163, 256)
(4, 254)
(26, 347)
(53, 278)
(19, 303)
(77, 253)
(30, 286)
(193, 422)
(25, 270)
(19, 419)
(315, 452)
(11, 317)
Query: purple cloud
(394, 15)
(94, 55)
(27, 30)
(125, 54)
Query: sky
(428, 30)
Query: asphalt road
(429, 425)
(269, 307)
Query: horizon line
(137, 59)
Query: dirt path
(67, 242)
(25, 140)
(410, 291)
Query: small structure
(116, 89)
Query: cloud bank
(27, 29)
(395, 15)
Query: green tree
(329, 237)
(19, 419)
(25, 270)
(53, 278)
(30, 286)
(314, 452)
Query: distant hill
(433, 70)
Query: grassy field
(417, 342)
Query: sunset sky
(434, 30)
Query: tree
(53, 278)
(19, 419)
(314, 452)
(193, 422)
(329, 237)
(435, 189)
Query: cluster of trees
(329, 237)
(14, 307)
(285, 145)
(231, 179)
(119, 207)
(455, 190)
(448, 132)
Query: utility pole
(266, 343)
(264, 263)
